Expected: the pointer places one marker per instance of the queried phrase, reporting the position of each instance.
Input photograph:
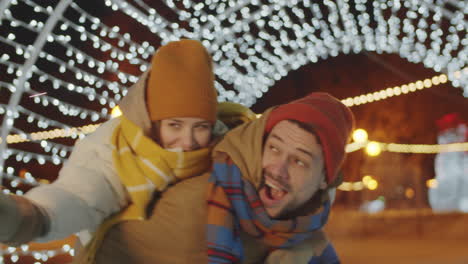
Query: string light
(90, 78)
(425, 149)
(232, 54)
(373, 148)
(370, 182)
(116, 112)
(399, 90)
(52, 134)
(377, 147)
(351, 186)
(366, 182)
(39, 255)
(359, 135)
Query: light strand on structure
(409, 148)
(52, 134)
(351, 147)
(351, 186)
(80, 74)
(120, 54)
(39, 255)
(367, 182)
(400, 90)
(81, 56)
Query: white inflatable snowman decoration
(451, 168)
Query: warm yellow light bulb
(116, 112)
(427, 83)
(373, 149)
(348, 102)
(409, 193)
(376, 96)
(345, 186)
(366, 179)
(419, 85)
(432, 183)
(443, 78)
(363, 99)
(360, 135)
(383, 94)
(356, 101)
(404, 89)
(372, 185)
(389, 92)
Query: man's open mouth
(273, 190)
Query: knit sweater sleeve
(87, 190)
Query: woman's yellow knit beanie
(181, 82)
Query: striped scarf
(144, 167)
(234, 205)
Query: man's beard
(284, 185)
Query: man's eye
(274, 149)
(208, 127)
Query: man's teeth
(275, 191)
(273, 186)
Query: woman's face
(185, 133)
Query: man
(270, 181)
(266, 200)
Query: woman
(165, 135)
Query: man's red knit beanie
(331, 120)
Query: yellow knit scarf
(144, 167)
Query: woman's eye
(301, 163)
(174, 125)
(208, 127)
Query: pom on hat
(181, 82)
(331, 120)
